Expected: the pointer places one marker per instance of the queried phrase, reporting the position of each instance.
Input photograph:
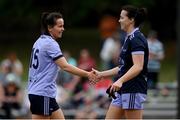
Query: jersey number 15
(34, 61)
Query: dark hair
(139, 14)
(49, 19)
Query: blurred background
(91, 30)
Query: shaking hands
(94, 76)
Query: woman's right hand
(92, 77)
(98, 74)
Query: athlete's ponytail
(142, 14)
(138, 14)
(44, 29)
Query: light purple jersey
(42, 69)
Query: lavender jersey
(42, 68)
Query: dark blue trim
(54, 59)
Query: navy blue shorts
(41, 105)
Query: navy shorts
(41, 105)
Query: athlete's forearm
(76, 70)
(110, 72)
(131, 73)
(64, 65)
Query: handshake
(95, 76)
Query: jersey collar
(133, 31)
(43, 35)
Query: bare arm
(108, 73)
(63, 64)
(138, 63)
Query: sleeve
(137, 46)
(53, 50)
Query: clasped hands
(95, 76)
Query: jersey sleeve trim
(138, 53)
(59, 56)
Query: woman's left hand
(116, 86)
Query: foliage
(76, 12)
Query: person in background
(13, 96)
(108, 28)
(12, 64)
(110, 51)
(156, 55)
(85, 62)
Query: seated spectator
(4, 70)
(12, 96)
(86, 62)
(81, 85)
(12, 64)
